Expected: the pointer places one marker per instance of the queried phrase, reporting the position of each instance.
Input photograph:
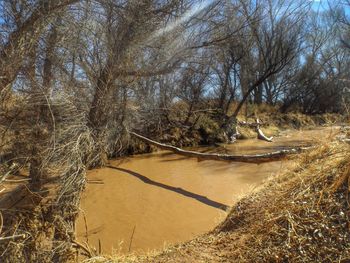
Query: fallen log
(256, 158)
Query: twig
(14, 237)
(79, 245)
(16, 180)
(86, 228)
(1, 222)
(99, 247)
(132, 236)
(95, 182)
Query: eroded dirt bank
(161, 198)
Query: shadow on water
(201, 198)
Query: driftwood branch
(256, 158)
(261, 135)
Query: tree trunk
(97, 113)
(258, 94)
(44, 123)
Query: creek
(145, 202)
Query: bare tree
(269, 43)
(27, 21)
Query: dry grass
(300, 216)
(46, 215)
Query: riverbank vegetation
(76, 76)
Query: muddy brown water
(148, 201)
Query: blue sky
(320, 5)
(317, 5)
